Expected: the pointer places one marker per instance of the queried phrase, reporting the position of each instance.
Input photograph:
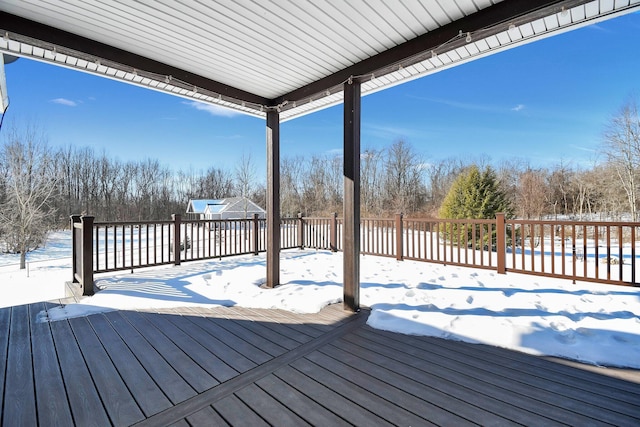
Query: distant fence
(602, 252)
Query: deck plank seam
(183, 409)
(350, 391)
(166, 348)
(123, 327)
(274, 378)
(446, 394)
(318, 387)
(520, 362)
(579, 401)
(5, 355)
(165, 324)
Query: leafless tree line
(110, 189)
(41, 187)
(398, 180)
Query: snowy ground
(598, 324)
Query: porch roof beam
(483, 23)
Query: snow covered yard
(592, 323)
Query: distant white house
(229, 208)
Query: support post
(333, 233)
(300, 231)
(399, 237)
(76, 248)
(501, 243)
(351, 229)
(87, 255)
(273, 198)
(177, 238)
(256, 234)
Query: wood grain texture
(238, 366)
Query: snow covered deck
(239, 366)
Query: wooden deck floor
(233, 366)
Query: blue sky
(545, 102)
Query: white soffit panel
(271, 48)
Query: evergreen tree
(474, 194)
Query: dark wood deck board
(170, 382)
(270, 331)
(297, 401)
(516, 361)
(550, 390)
(296, 326)
(269, 408)
(206, 417)
(335, 376)
(236, 413)
(5, 325)
(249, 350)
(46, 372)
(84, 399)
(146, 392)
(259, 335)
(456, 375)
(322, 404)
(187, 368)
(235, 361)
(208, 361)
(248, 355)
(118, 401)
(181, 423)
(469, 397)
(393, 394)
(19, 405)
(591, 399)
(197, 366)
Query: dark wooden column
(351, 232)
(273, 198)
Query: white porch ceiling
(292, 55)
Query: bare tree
(213, 184)
(291, 185)
(245, 177)
(404, 171)
(622, 148)
(30, 181)
(440, 177)
(371, 181)
(559, 182)
(531, 196)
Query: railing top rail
(116, 223)
(195, 221)
(455, 221)
(377, 219)
(574, 223)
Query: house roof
(215, 206)
(199, 205)
(289, 55)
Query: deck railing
(603, 252)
